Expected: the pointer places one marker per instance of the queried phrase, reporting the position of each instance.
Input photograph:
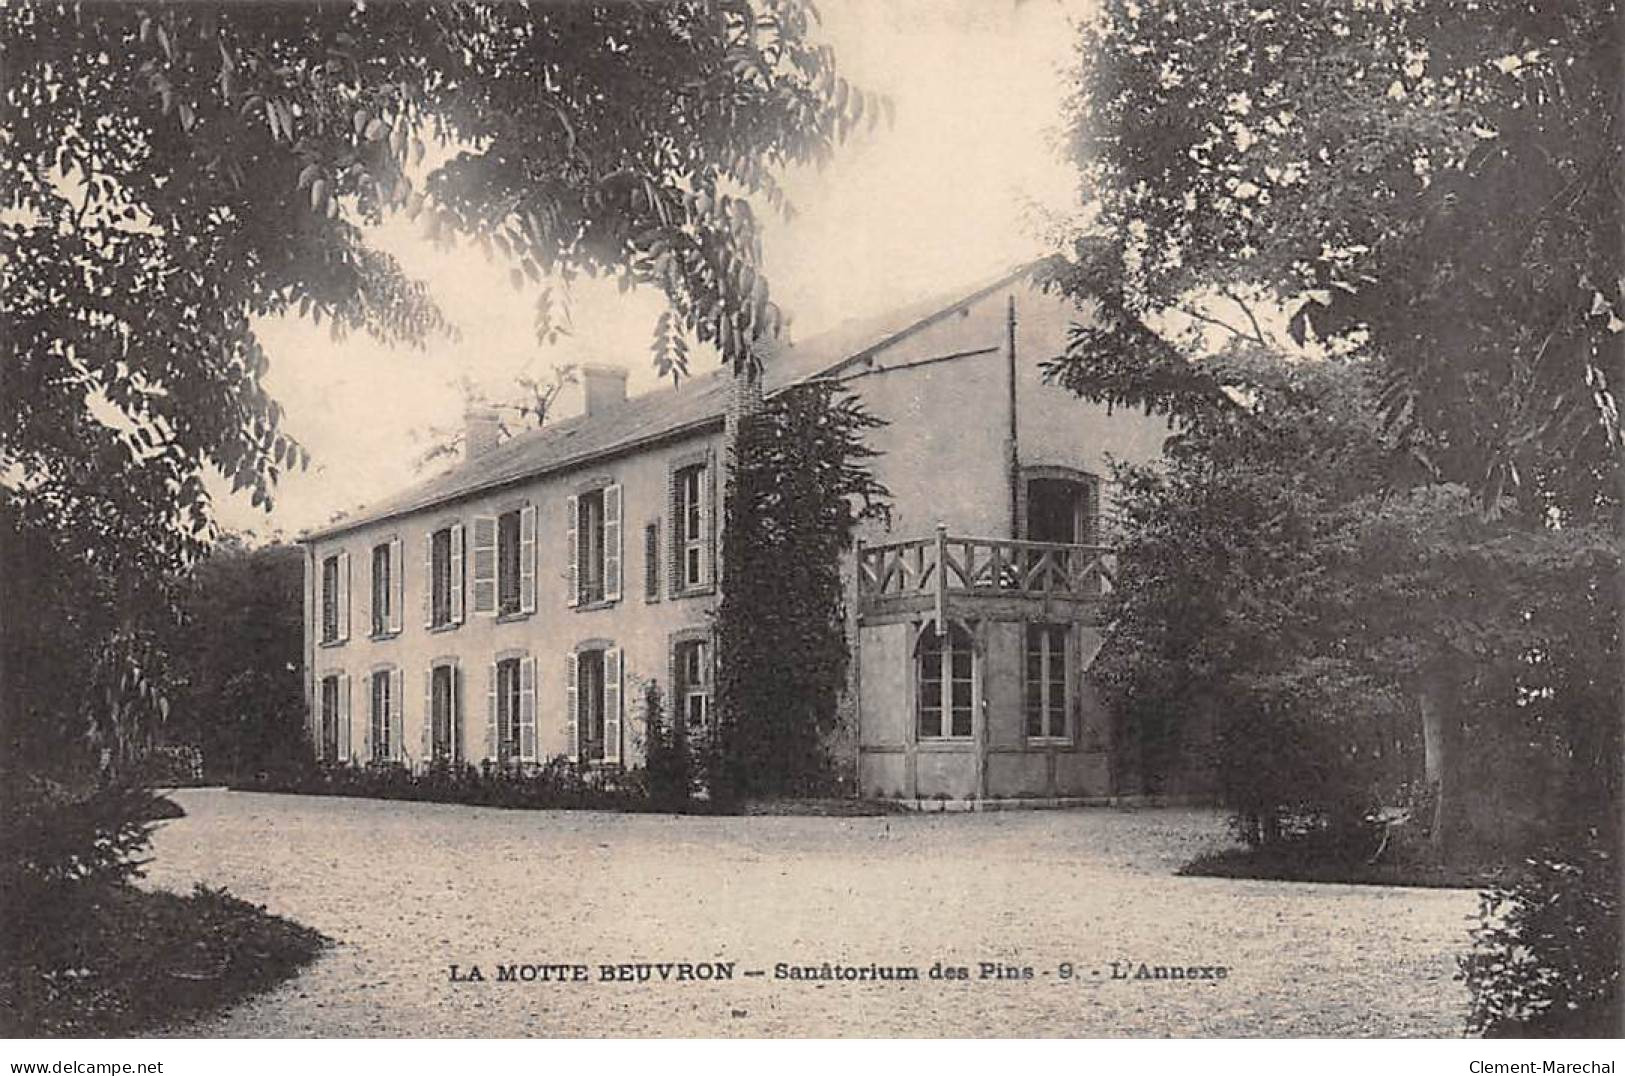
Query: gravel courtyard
(408, 890)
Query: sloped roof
(697, 402)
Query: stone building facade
(513, 608)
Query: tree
(1434, 188)
(174, 171)
(1438, 182)
(238, 691)
(798, 486)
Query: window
(594, 520)
(591, 555)
(593, 703)
(443, 733)
(511, 728)
(1046, 703)
(692, 685)
(333, 737)
(690, 527)
(444, 571)
(504, 562)
(946, 670)
(508, 562)
(381, 589)
(381, 718)
(336, 598)
(651, 561)
(327, 744)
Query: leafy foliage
(1545, 959)
(1437, 182)
(173, 172)
(1272, 579)
(238, 694)
(667, 758)
(798, 487)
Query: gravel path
(411, 889)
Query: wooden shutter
(572, 552)
(612, 704)
(397, 714)
(344, 717)
(572, 718)
(397, 583)
(485, 564)
(344, 597)
(651, 561)
(491, 712)
(705, 485)
(428, 580)
(612, 543)
(527, 709)
(456, 573)
(426, 741)
(527, 559)
(674, 509)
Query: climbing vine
(799, 486)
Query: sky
(949, 195)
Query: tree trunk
(1441, 737)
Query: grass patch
(823, 807)
(1308, 859)
(114, 960)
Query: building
(511, 608)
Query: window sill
(696, 592)
(513, 615)
(381, 636)
(1050, 741)
(330, 643)
(450, 625)
(946, 743)
(601, 603)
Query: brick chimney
(604, 388)
(480, 425)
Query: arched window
(945, 684)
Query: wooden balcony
(999, 577)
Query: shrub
(1545, 956)
(669, 769)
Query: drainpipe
(1012, 451)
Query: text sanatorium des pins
(728, 970)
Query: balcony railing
(999, 567)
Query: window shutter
(426, 741)
(344, 597)
(527, 709)
(397, 582)
(572, 554)
(428, 580)
(612, 543)
(485, 564)
(612, 704)
(491, 712)
(651, 561)
(572, 718)
(706, 566)
(397, 715)
(674, 509)
(456, 573)
(344, 717)
(527, 559)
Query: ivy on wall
(799, 486)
